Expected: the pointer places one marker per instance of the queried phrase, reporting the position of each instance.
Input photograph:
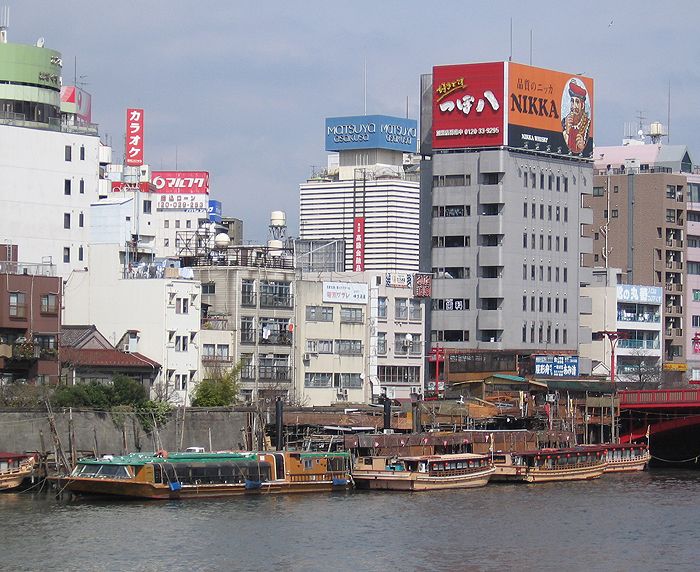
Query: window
(694, 268)
(525, 209)
(324, 346)
(671, 215)
(381, 343)
(616, 189)
(564, 303)
(82, 186)
(66, 220)
(166, 242)
(208, 351)
(318, 379)
(18, 305)
(671, 191)
(524, 271)
(66, 186)
(182, 305)
(566, 185)
(188, 224)
(696, 295)
(541, 212)
(80, 253)
(549, 212)
(319, 313)
(533, 214)
(566, 244)
(460, 180)
(401, 309)
(82, 152)
(166, 223)
(49, 304)
(550, 182)
(147, 207)
(598, 191)
(177, 224)
(348, 347)
(68, 153)
(566, 274)
(566, 214)
(381, 307)
(524, 240)
(696, 321)
(181, 381)
(415, 311)
(489, 178)
(351, 316)
(66, 254)
(524, 303)
(181, 343)
(81, 220)
(208, 288)
(614, 213)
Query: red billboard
(358, 244)
(134, 137)
(181, 190)
(468, 105)
(75, 100)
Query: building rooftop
(106, 358)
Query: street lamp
(614, 336)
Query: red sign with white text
(358, 244)
(172, 182)
(134, 137)
(468, 106)
(119, 186)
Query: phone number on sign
(473, 131)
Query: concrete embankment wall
(109, 432)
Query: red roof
(106, 358)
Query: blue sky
(241, 89)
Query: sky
(242, 89)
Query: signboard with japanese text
(358, 244)
(423, 285)
(670, 366)
(134, 137)
(75, 100)
(503, 103)
(371, 132)
(182, 190)
(215, 212)
(119, 186)
(556, 366)
(640, 294)
(549, 111)
(398, 280)
(468, 105)
(345, 292)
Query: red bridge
(658, 411)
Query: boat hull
(13, 479)
(629, 466)
(537, 475)
(142, 490)
(408, 481)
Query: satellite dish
(40, 42)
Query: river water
(645, 521)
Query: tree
(127, 391)
(642, 371)
(219, 388)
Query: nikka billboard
(503, 103)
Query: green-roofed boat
(200, 475)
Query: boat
(625, 458)
(200, 475)
(14, 468)
(548, 465)
(422, 473)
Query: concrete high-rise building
(507, 159)
(641, 205)
(51, 159)
(369, 195)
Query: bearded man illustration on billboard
(576, 115)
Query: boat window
(308, 464)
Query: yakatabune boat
(189, 475)
(547, 465)
(624, 458)
(422, 473)
(14, 468)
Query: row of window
(68, 186)
(67, 254)
(552, 212)
(544, 335)
(338, 347)
(449, 304)
(452, 211)
(550, 181)
(68, 153)
(540, 306)
(536, 273)
(180, 380)
(558, 242)
(454, 241)
(404, 309)
(340, 380)
(18, 304)
(449, 335)
(404, 344)
(458, 272)
(219, 352)
(166, 222)
(67, 220)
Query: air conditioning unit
(126, 349)
(145, 174)
(307, 356)
(342, 394)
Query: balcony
(490, 320)
(492, 224)
(215, 323)
(248, 372)
(274, 373)
(674, 287)
(276, 339)
(490, 288)
(275, 300)
(639, 344)
(671, 243)
(647, 317)
(674, 310)
(10, 267)
(247, 337)
(212, 358)
(249, 299)
(491, 194)
(674, 265)
(491, 256)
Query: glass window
(166, 223)
(351, 315)
(66, 186)
(147, 207)
(415, 310)
(319, 313)
(68, 153)
(66, 220)
(18, 305)
(82, 186)
(381, 307)
(401, 309)
(81, 220)
(66, 254)
(49, 304)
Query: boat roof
(138, 459)
(447, 457)
(11, 456)
(566, 451)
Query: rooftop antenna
(4, 23)
(407, 107)
(668, 118)
(510, 56)
(365, 84)
(530, 46)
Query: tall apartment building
(639, 204)
(507, 153)
(367, 197)
(692, 293)
(51, 159)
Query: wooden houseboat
(14, 468)
(547, 465)
(625, 458)
(200, 475)
(422, 473)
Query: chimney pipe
(279, 423)
(387, 414)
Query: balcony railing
(215, 323)
(281, 339)
(248, 372)
(247, 336)
(639, 344)
(10, 267)
(249, 299)
(274, 372)
(216, 358)
(640, 317)
(275, 301)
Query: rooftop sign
(371, 132)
